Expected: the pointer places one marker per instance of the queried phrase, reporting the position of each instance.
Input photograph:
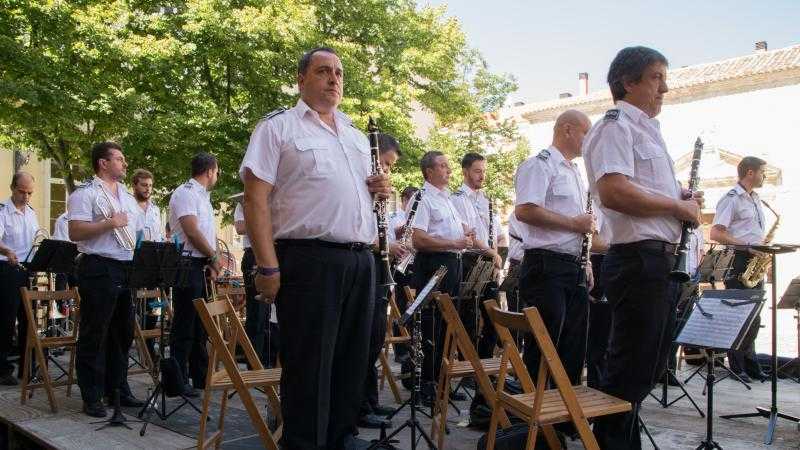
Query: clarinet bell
(679, 273)
(385, 274)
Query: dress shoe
(128, 401)
(351, 442)
(757, 375)
(744, 377)
(189, 391)
(94, 409)
(8, 380)
(382, 410)
(373, 421)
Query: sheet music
(723, 323)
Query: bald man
(551, 212)
(18, 225)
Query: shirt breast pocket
(315, 157)
(650, 161)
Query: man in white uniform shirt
(191, 219)
(149, 221)
(18, 225)
(740, 220)
(551, 209)
(308, 211)
(106, 245)
(632, 174)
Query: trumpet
(122, 234)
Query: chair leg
(71, 374)
(26, 373)
(387, 375)
(223, 407)
(48, 383)
(492, 433)
(201, 433)
(531, 442)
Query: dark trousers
(376, 339)
(599, 326)
(744, 359)
(11, 279)
(484, 338)
(425, 264)
(402, 280)
(255, 324)
(642, 300)
(187, 337)
(549, 281)
(106, 326)
(325, 309)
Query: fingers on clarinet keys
(380, 184)
(688, 211)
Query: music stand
(688, 290)
(772, 414)
(715, 265)
(791, 300)
(159, 264)
(719, 321)
(413, 311)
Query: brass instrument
(758, 265)
(122, 234)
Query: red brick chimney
(583, 84)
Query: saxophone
(758, 265)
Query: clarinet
(379, 207)
(586, 245)
(679, 272)
(491, 223)
(408, 231)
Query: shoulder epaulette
(611, 114)
(274, 113)
(83, 184)
(2, 205)
(459, 193)
(544, 155)
(732, 193)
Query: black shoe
(744, 377)
(353, 443)
(757, 375)
(94, 409)
(373, 421)
(128, 401)
(457, 396)
(426, 400)
(8, 380)
(382, 410)
(189, 391)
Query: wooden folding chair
(459, 360)
(226, 333)
(141, 337)
(536, 405)
(36, 344)
(402, 338)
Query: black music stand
(719, 321)
(687, 291)
(413, 312)
(715, 265)
(772, 414)
(159, 264)
(791, 300)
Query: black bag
(512, 438)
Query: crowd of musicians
(313, 302)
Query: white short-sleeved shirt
(515, 249)
(474, 209)
(318, 176)
(17, 229)
(397, 220)
(742, 215)
(550, 181)
(61, 228)
(694, 250)
(238, 215)
(437, 216)
(603, 227)
(193, 199)
(82, 206)
(628, 142)
(149, 223)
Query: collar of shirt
(436, 191)
(471, 193)
(10, 206)
(740, 190)
(637, 115)
(202, 189)
(341, 119)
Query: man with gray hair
(632, 175)
(18, 226)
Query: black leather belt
(353, 246)
(649, 244)
(107, 260)
(551, 254)
(452, 255)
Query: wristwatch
(267, 271)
